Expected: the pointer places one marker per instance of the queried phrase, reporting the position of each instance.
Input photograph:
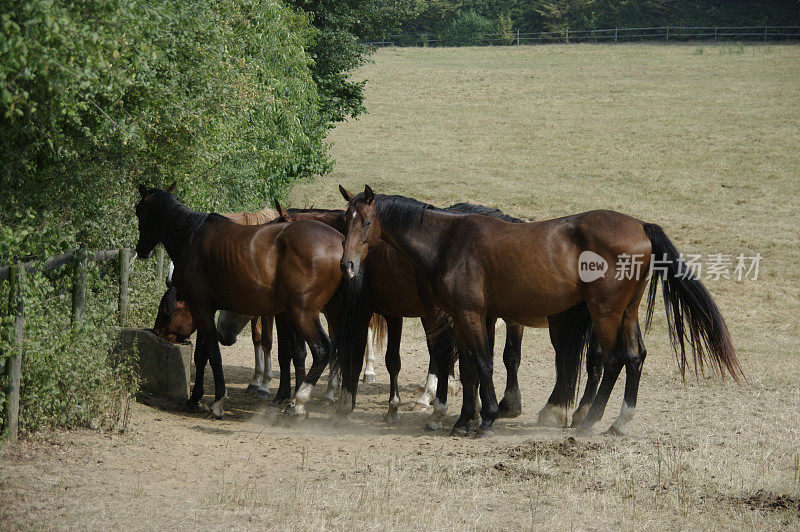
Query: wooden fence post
(124, 263)
(16, 280)
(765, 34)
(667, 33)
(160, 259)
(517, 37)
(615, 34)
(79, 286)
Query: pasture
(702, 140)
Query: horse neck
(420, 241)
(180, 225)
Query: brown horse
(479, 268)
(174, 319)
(250, 270)
(401, 298)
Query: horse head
(362, 229)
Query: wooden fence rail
(16, 274)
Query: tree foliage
(344, 26)
(100, 94)
(440, 17)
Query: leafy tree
(344, 26)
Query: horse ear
(345, 193)
(170, 188)
(142, 190)
(283, 212)
(369, 195)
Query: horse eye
(367, 223)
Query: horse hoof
(459, 431)
(420, 407)
(191, 406)
(262, 394)
(251, 388)
(484, 433)
(369, 379)
(509, 408)
(391, 418)
(431, 426)
(614, 430)
(579, 415)
(583, 432)
(552, 416)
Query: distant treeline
(455, 22)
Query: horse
(283, 268)
(401, 299)
(480, 268)
(172, 319)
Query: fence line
(12, 367)
(665, 33)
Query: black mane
(179, 222)
(471, 208)
(400, 212)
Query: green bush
(470, 29)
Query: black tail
(347, 354)
(692, 315)
(571, 338)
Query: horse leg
(635, 354)
(607, 329)
(428, 391)
(311, 329)
(440, 340)
(285, 332)
(298, 351)
(594, 371)
(475, 345)
(394, 328)
(207, 330)
(334, 380)
(200, 359)
(554, 412)
(511, 404)
(258, 372)
(369, 359)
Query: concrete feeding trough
(164, 368)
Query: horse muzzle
(348, 268)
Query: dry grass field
(704, 144)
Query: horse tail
(379, 331)
(692, 315)
(351, 326)
(571, 340)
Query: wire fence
(658, 33)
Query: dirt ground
(704, 144)
(704, 454)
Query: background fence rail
(655, 33)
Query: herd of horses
(458, 269)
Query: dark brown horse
(250, 270)
(479, 268)
(174, 319)
(401, 298)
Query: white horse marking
(625, 415)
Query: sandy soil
(703, 454)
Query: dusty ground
(705, 455)
(703, 144)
